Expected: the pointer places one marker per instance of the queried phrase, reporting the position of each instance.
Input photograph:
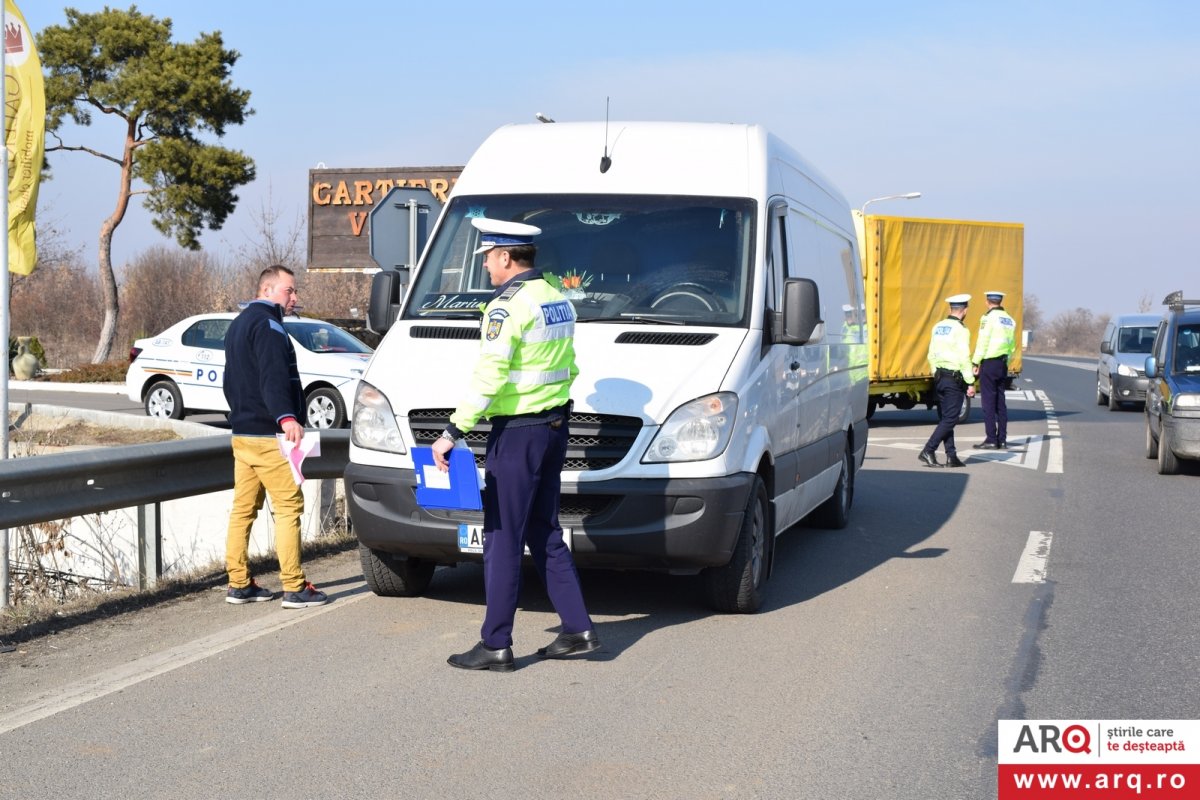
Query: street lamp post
(909, 196)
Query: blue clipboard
(459, 489)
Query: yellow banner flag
(24, 136)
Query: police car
(181, 370)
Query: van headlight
(695, 431)
(1127, 371)
(373, 424)
(1188, 401)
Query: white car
(181, 370)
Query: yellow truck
(910, 266)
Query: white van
(719, 399)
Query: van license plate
(470, 539)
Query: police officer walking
(950, 357)
(521, 384)
(997, 340)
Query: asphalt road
(878, 668)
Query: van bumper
(1130, 389)
(678, 524)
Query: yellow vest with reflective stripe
(526, 354)
(950, 347)
(997, 335)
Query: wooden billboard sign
(340, 202)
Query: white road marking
(1032, 566)
(126, 675)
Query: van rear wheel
(737, 587)
(389, 575)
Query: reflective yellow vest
(527, 354)
(950, 347)
(997, 335)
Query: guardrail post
(149, 522)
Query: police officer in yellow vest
(950, 357)
(521, 385)
(997, 340)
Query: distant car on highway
(1173, 396)
(182, 370)
(1120, 371)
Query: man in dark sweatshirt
(262, 386)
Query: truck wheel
(325, 409)
(834, 513)
(390, 575)
(737, 587)
(164, 401)
(1168, 464)
(1151, 442)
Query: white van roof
(680, 158)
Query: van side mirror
(387, 290)
(1106, 347)
(1151, 367)
(801, 312)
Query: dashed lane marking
(1031, 568)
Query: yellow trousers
(259, 469)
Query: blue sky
(1077, 119)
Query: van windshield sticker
(454, 301)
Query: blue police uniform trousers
(520, 508)
(993, 375)
(950, 393)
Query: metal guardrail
(45, 488)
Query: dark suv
(1173, 395)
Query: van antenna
(605, 161)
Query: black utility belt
(995, 358)
(553, 417)
(947, 373)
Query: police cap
(502, 233)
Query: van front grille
(597, 441)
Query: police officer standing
(950, 357)
(521, 384)
(997, 340)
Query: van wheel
(1151, 442)
(390, 575)
(164, 401)
(1168, 464)
(325, 409)
(872, 404)
(1113, 403)
(1101, 397)
(965, 411)
(834, 513)
(737, 587)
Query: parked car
(181, 371)
(1120, 372)
(1173, 395)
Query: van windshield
(1137, 339)
(1187, 348)
(655, 260)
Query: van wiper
(450, 313)
(638, 318)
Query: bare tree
(1145, 305)
(271, 243)
(1031, 315)
(163, 285)
(1076, 332)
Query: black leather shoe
(570, 644)
(928, 459)
(483, 657)
(987, 446)
(1001, 445)
(954, 461)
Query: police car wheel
(737, 587)
(164, 401)
(324, 409)
(389, 575)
